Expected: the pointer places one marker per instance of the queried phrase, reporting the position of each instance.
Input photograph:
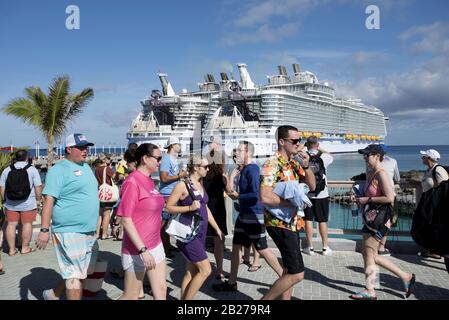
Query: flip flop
(410, 286)
(31, 250)
(2, 272)
(254, 268)
(15, 252)
(362, 295)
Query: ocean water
(344, 166)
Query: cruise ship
(240, 110)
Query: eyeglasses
(158, 159)
(294, 141)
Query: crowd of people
(280, 198)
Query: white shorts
(134, 263)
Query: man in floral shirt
(282, 167)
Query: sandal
(410, 286)
(254, 268)
(31, 250)
(15, 252)
(362, 295)
(2, 272)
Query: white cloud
(261, 13)
(431, 38)
(264, 33)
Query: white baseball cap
(431, 153)
(171, 140)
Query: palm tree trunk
(50, 157)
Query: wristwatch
(142, 250)
(45, 230)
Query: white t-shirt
(428, 182)
(390, 166)
(327, 160)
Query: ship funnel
(209, 78)
(167, 89)
(224, 76)
(282, 70)
(247, 83)
(296, 69)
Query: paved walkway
(326, 278)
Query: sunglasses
(158, 159)
(366, 155)
(206, 167)
(81, 148)
(294, 141)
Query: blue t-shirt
(170, 165)
(75, 190)
(35, 181)
(249, 198)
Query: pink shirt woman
(140, 208)
(143, 204)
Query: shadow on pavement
(37, 281)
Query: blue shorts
(76, 253)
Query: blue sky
(403, 68)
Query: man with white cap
(71, 206)
(435, 173)
(170, 174)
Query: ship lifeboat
(355, 137)
(317, 134)
(348, 136)
(364, 137)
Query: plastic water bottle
(354, 210)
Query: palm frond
(24, 109)
(58, 98)
(36, 95)
(78, 102)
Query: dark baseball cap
(372, 148)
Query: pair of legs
(322, 227)
(196, 274)
(26, 218)
(269, 257)
(134, 283)
(371, 260)
(288, 244)
(247, 256)
(103, 222)
(219, 247)
(320, 213)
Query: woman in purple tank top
(198, 265)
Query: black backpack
(319, 170)
(434, 174)
(430, 225)
(17, 184)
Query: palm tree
(50, 113)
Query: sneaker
(225, 287)
(384, 253)
(327, 251)
(49, 295)
(309, 251)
